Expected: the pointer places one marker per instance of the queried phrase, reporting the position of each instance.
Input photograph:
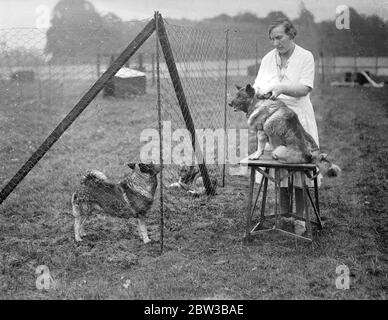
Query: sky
(31, 13)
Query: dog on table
(132, 197)
(272, 121)
(190, 180)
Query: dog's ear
(249, 89)
(238, 87)
(131, 165)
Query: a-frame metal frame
(99, 85)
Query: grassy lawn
(204, 257)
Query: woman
(288, 72)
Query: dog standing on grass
(272, 121)
(132, 197)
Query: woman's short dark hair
(289, 28)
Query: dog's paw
(78, 239)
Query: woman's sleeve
(308, 70)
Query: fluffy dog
(132, 197)
(190, 180)
(272, 121)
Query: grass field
(204, 257)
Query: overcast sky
(25, 13)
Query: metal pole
(225, 104)
(355, 64)
(322, 68)
(50, 84)
(98, 64)
(180, 94)
(77, 110)
(160, 133)
(377, 65)
(257, 57)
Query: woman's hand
(276, 91)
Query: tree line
(79, 30)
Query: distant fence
(336, 65)
(22, 53)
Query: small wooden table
(263, 165)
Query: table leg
(306, 210)
(319, 222)
(258, 194)
(277, 192)
(317, 197)
(250, 197)
(264, 199)
(291, 193)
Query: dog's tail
(326, 167)
(333, 171)
(94, 177)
